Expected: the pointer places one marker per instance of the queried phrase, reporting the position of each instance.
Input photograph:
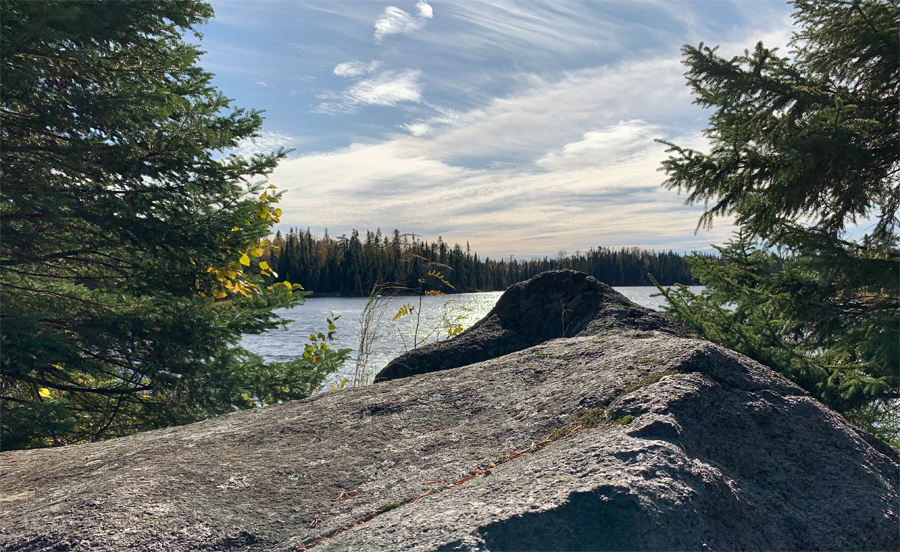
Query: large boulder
(558, 303)
(631, 438)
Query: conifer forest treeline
(352, 266)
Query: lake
(392, 338)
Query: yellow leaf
(44, 392)
(256, 252)
(264, 196)
(277, 212)
(245, 260)
(264, 265)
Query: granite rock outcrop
(627, 434)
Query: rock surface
(633, 437)
(559, 303)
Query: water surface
(392, 338)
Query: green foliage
(802, 149)
(803, 145)
(131, 239)
(371, 319)
(625, 420)
(353, 266)
(452, 320)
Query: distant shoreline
(333, 294)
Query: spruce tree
(805, 154)
(131, 238)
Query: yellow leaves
(440, 277)
(405, 310)
(44, 392)
(235, 278)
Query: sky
(522, 128)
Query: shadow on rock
(559, 303)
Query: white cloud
(388, 88)
(356, 68)
(586, 173)
(424, 10)
(550, 114)
(418, 129)
(393, 20)
(498, 210)
(613, 144)
(263, 84)
(266, 142)
(556, 107)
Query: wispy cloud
(597, 148)
(388, 88)
(356, 68)
(523, 126)
(498, 210)
(266, 142)
(582, 168)
(393, 21)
